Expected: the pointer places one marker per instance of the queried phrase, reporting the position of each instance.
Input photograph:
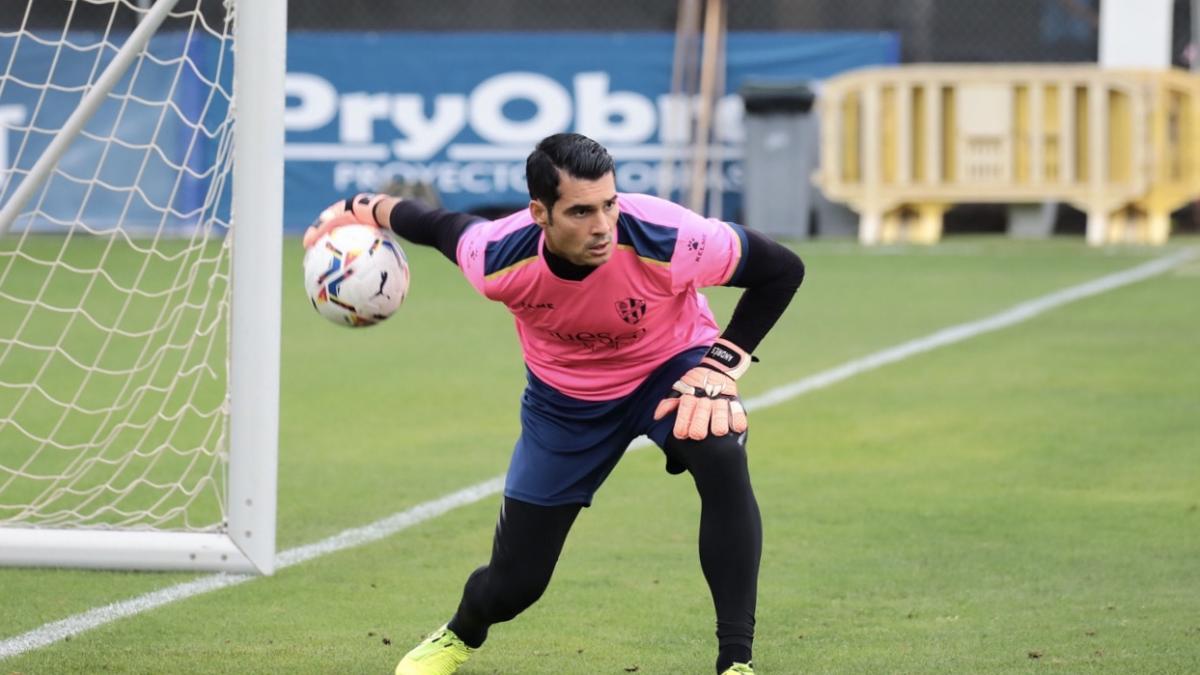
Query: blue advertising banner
(456, 111)
(461, 111)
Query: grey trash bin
(781, 154)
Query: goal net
(139, 318)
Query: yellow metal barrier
(901, 145)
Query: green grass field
(1025, 501)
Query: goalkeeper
(617, 343)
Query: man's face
(584, 219)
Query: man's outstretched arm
(413, 220)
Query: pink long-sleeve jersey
(598, 338)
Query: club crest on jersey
(631, 310)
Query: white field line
(94, 618)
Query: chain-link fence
(1028, 31)
(930, 30)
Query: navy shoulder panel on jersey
(648, 240)
(511, 249)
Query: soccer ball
(356, 275)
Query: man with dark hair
(618, 343)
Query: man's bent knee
(715, 457)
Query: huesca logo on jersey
(631, 310)
(596, 341)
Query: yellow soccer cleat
(439, 654)
(739, 669)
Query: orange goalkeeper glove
(359, 209)
(707, 396)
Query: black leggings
(529, 539)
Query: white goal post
(141, 208)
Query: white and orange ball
(356, 275)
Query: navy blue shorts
(568, 446)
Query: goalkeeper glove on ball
(359, 209)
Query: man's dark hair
(577, 155)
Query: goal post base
(117, 550)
